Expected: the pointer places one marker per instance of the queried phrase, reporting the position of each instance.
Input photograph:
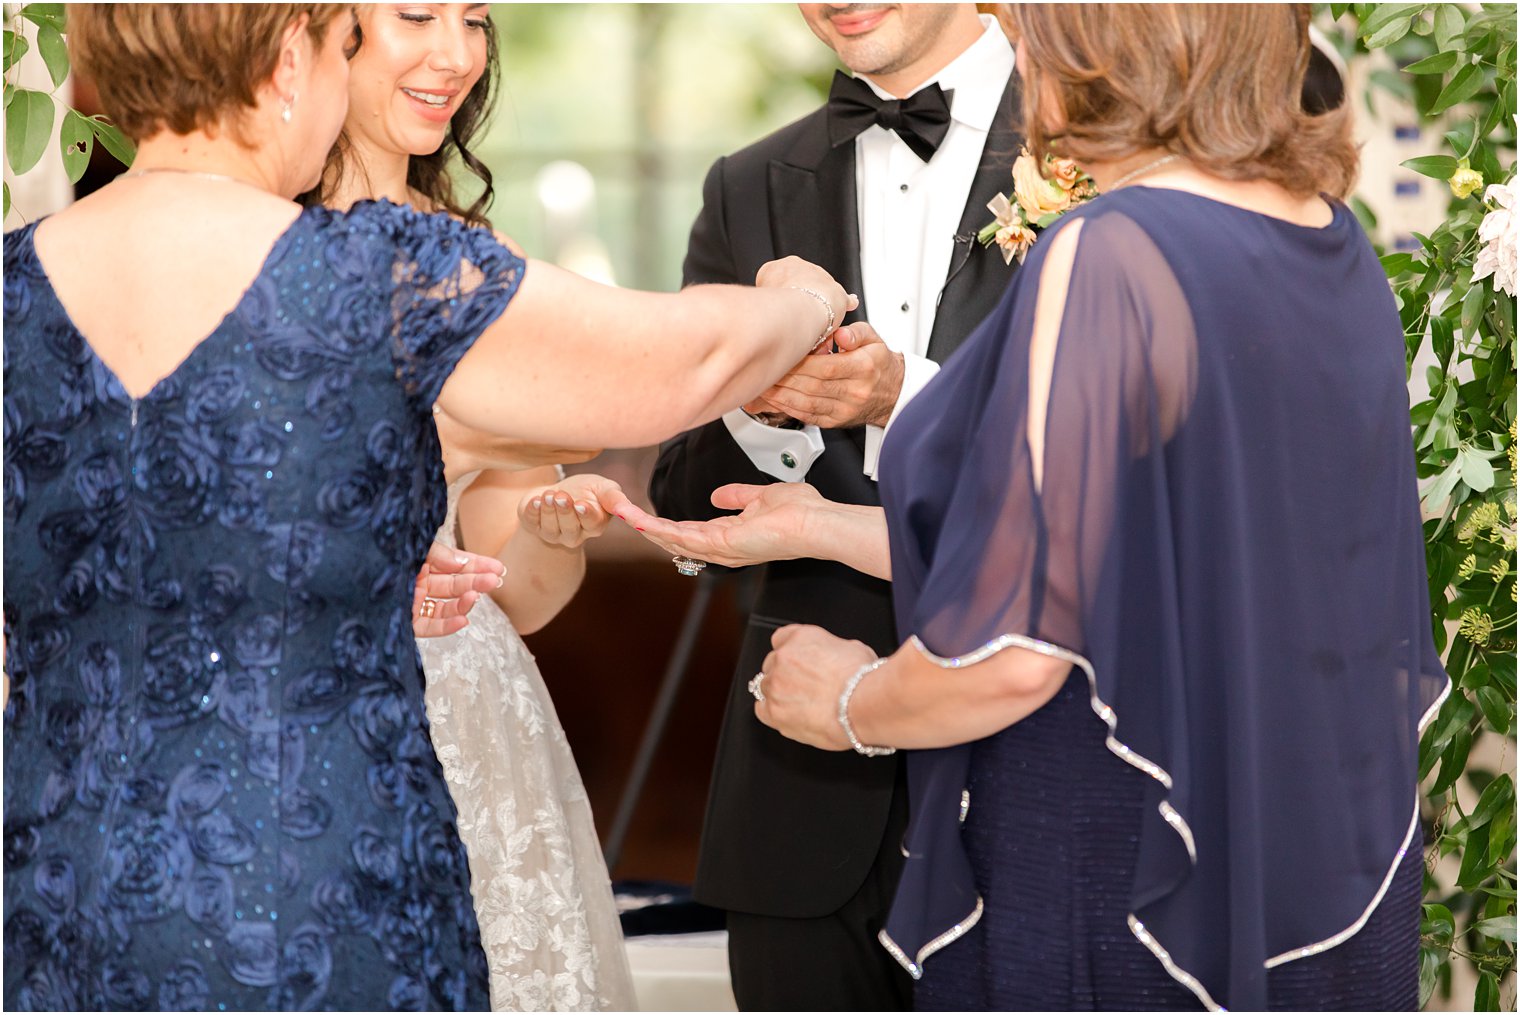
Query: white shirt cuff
(785, 454)
(917, 372)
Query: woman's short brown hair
(184, 67)
(1219, 84)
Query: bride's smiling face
(416, 65)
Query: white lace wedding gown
(542, 894)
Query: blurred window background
(610, 115)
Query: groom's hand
(856, 385)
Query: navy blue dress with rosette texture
(220, 791)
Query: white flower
(1500, 233)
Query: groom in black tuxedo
(802, 847)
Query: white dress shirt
(908, 211)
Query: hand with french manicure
(454, 580)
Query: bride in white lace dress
(542, 895)
(420, 89)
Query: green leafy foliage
(78, 139)
(1438, 167)
(1457, 67)
(30, 114)
(28, 126)
(55, 53)
(44, 15)
(113, 140)
(15, 48)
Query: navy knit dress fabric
(1053, 832)
(220, 793)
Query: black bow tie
(921, 120)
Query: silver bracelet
(844, 713)
(828, 307)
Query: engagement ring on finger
(754, 686)
(689, 567)
(428, 608)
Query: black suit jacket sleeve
(694, 464)
(709, 255)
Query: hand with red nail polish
(779, 521)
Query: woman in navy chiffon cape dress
(1219, 806)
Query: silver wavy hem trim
(916, 968)
(1173, 818)
(1169, 814)
(1293, 954)
(1328, 943)
(1123, 751)
(1176, 972)
(1430, 713)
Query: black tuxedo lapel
(978, 275)
(812, 208)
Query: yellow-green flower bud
(1484, 517)
(1465, 182)
(1476, 626)
(1468, 566)
(1500, 569)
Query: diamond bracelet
(828, 329)
(844, 713)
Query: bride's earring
(289, 105)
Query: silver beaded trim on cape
(1176, 972)
(916, 969)
(1168, 813)
(1349, 932)
(1414, 823)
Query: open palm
(771, 524)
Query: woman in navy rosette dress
(221, 476)
(1157, 561)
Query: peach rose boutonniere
(1038, 199)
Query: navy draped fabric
(1226, 542)
(220, 792)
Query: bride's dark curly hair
(429, 174)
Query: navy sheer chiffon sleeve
(1225, 540)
